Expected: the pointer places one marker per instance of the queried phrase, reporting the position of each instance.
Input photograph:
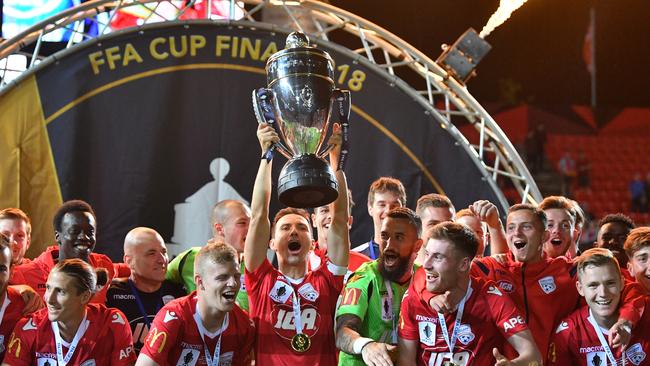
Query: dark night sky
(539, 48)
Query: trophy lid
(298, 57)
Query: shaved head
(140, 236)
(146, 254)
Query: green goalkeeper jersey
(366, 296)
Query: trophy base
(307, 181)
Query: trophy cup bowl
(300, 83)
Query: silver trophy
(298, 103)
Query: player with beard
(206, 327)
(71, 330)
(75, 227)
(637, 248)
(535, 282)
(561, 226)
(484, 318)
(581, 338)
(366, 320)
(292, 307)
(613, 230)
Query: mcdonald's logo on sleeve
(14, 345)
(153, 337)
(351, 296)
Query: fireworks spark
(506, 7)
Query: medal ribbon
(5, 304)
(297, 319)
(603, 341)
(459, 315)
(138, 301)
(214, 359)
(61, 360)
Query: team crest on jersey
(635, 354)
(89, 363)
(30, 325)
(427, 333)
(188, 357)
(45, 361)
(597, 359)
(465, 335)
(494, 291)
(506, 286)
(169, 316)
(561, 327)
(280, 292)
(308, 292)
(386, 308)
(547, 284)
(117, 318)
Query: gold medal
(300, 342)
(448, 363)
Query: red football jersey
(575, 342)
(12, 315)
(34, 274)
(107, 341)
(270, 300)
(545, 293)
(174, 338)
(489, 318)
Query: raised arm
(487, 212)
(338, 235)
(257, 239)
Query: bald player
(145, 291)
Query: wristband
(359, 343)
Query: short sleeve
(162, 335)
(559, 350)
(354, 299)
(123, 350)
(408, 328)
(20, 346)
(254, 280)
(505, 314)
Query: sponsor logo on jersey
(153, 337)
(512, 323)
(351, 296)
(308, 292)
(89, 363)
(547, 284)
(635, 354)
(419, 317)
(465, 335)
(124, 353)
(561, 327)
(506, 286)
(284, 322)
(597, 359)
(14, 345)
(188, 357)
(427, 333)
(494, 291)
(280, 292)
(30, 325)
(123, 296)
(117, 318)
(460, 358)
(169, 316)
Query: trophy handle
(264, 114)
(342, 108)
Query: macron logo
(30, 325)
(169, 316)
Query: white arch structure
(440, 95)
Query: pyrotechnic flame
(506, 7)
